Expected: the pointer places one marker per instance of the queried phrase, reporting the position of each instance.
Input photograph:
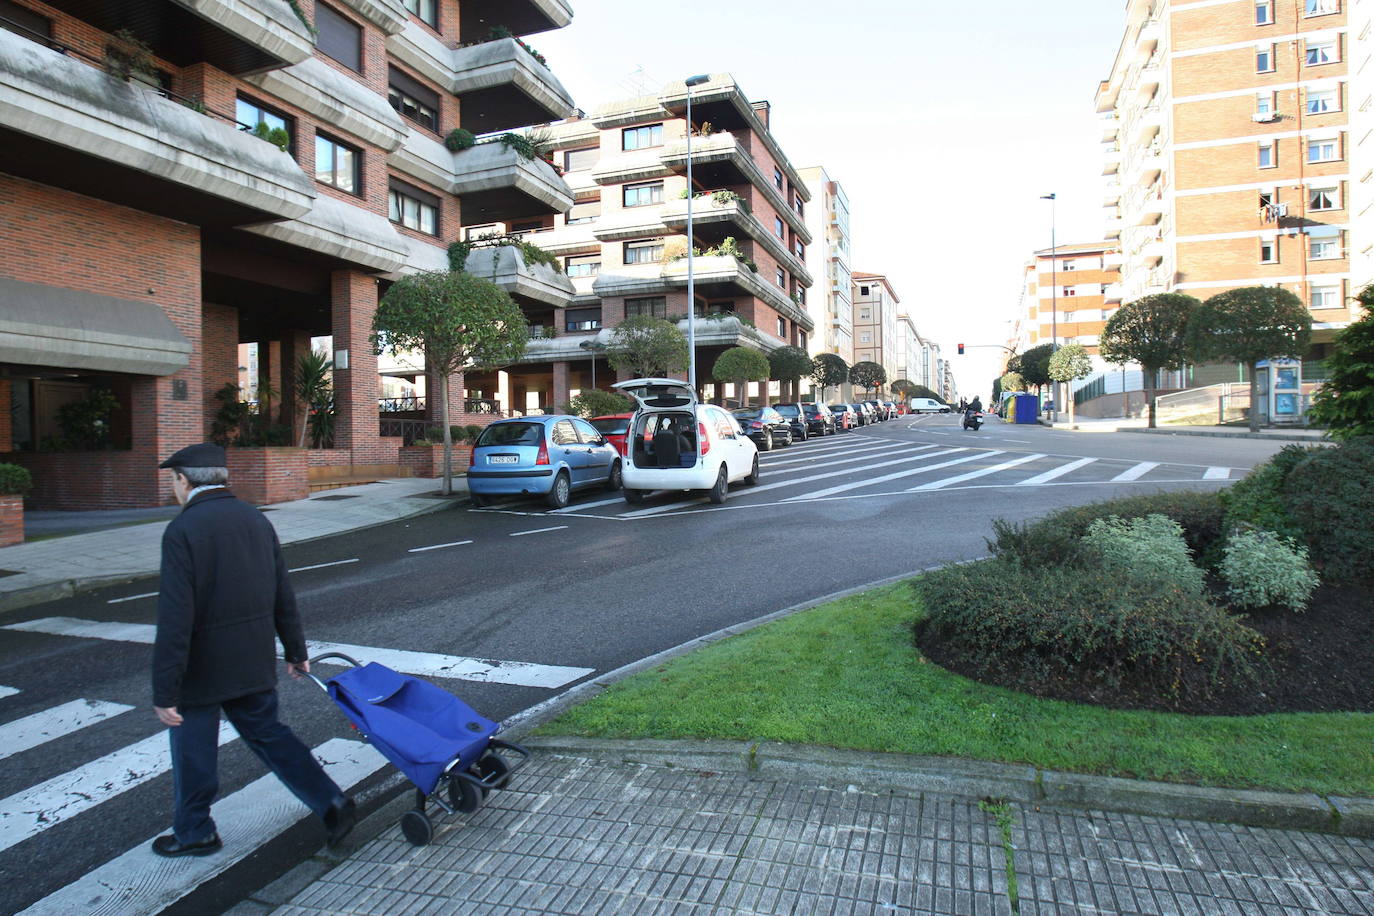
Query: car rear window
(840, 408)
(787, 410)
(512, 434)
(611, 426)
(747, 413)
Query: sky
(943, 122)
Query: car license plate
(502, 459)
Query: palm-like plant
(315, 392)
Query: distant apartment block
(829, 303)
(1071, 291)
(876, 306)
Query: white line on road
(437, 546)
(971, 475)
(51, 724)
(1217, 474)
(139, 883)
(8, 692)
(323, 565)
(1137, 472)
(906, 472)
(48, 804)
(869, 450)
(132, 598)
(520, 534)
(425, 664)
(1060, 471)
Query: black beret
(201, 455)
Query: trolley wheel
(416, 827)
(492, 764)
(463, 795)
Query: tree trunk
(447, 488)
(305, 427)
(1254, 400)
(1150, 395)
(1068, 396)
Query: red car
(614, 428)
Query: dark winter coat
(223, 602)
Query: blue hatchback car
(549, 456)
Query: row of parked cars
(670, 442)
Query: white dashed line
(132, 598)
(51, 724)
(437, 546)
(1137, 472)
(518, 534)
(323, 565)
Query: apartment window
(642, 195)
(643, 252)
(1264, 104)
(1264, 12)
(582, 265)
(529, 225)
(1069, 291)
(799, 250)
(584, 211)
(865, 315)
(1320, 101)
(337, 164)
(1322, 7)
(782, 278)
(641, 137)
(1268, 199)
(1264, 59)
(412, 99)
(583, 319)
(1326, 297)
(413, 208)
(338, 37)
(249, 114)
(1069, 316)
(426, 10)
(801, 339)
(1322, 52)
(1268, 155)
(652, 306)
(1324, 199)
(865, 338)
(1324, 247)
(1324, 150)
(777, 177)
(1068, 265)
(863, 291)
(782, 328)
(1269, 251)
(778, 228)
(799, 206)
(580, 160)
(23, 22)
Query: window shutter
(339, 37)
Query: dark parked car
(879, 411)
(793, 414)
(765, 426)
(846, 418)
(819, 420)
(866, 414)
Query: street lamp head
(698, 79)
(1047, 197)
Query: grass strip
(1000, 809)
(847, 675)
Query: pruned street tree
(646, 347)
(459, 322)
(741, 366)
(1033, 365)
(1012, 381)
(903, 388)
(829, 370)
(1152, 331)
(789, 364)
(1345, 403)
(1249, 324)
(1069, 363)
(868, 375)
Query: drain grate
(335, 496)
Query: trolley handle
(319, 658)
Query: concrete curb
(1222, 434)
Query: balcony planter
(427, 459)
(14, 483)
(268, 475)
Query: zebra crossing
(851, 467)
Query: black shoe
(339, 820)
(168, 846)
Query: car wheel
(634, 497)
(616, 479)
(479, 500)
(561, 493)
(768, 440)
(753, 478)
(720, 489)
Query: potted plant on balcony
(15, 483)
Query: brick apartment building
(876, 306)
(1229, 155)
(623, 243)
(145, 233)
(1082, 281)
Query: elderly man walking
(224, 600)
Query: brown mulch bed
(1321, 660)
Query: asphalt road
(589, 589)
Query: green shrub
(1261, 568)
(1257, 500)
(597, 403)
(15, 480)
(1330, 497)
(434, 434)
(459, 139)
(1150, 550)
(472, 431)
(1035, 628)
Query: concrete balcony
(1110, 124)
(722, 160)
(342, 230)
(1111, 160)
(495, 182)
(337, 100)
(729, 275)
(1111, 193)
(632, 223)
(1112, 260)
(522, 17)
(388, 15)
(1148, 122)
(624, 167)
(707, 212)
(563, 240)
(1111, 292)
(1148, 38)
(69, 124)
(1112, 227)
(526, 282)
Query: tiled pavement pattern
(573, 836)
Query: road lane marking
(425, 664)
(907, 472)
(1137, 472)
(28, 813)
(50, 724)
(981, 472)
(139, 883)
(437, 546)
(520, 534)
(323, 565)
(1217, 474)
(8, 692)
(132, 598)
(867, 450)
(793, 481)
(1060, 471)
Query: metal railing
(409, 431)
(400, 405)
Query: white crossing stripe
(981, 472)
(868, 450)
(424, 664)
(1137, 472)
(8, 692)
(790, 482)
(139, 883)
(323, 565)
(437, 546)
(1054, 473)
(132, 598)
(908, 472)
(520, 534)
(51, 724)
(1217, 474)
(786, 451)
(28, 813)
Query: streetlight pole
(691, 280)
(1054, 303)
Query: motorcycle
(973, 420)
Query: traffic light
(961, 349)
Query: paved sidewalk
(594, 834)
(1141, 425)
(57, 567)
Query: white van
(928, 405)
(675, 443)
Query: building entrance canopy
(50, 326)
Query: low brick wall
(78, 481)
(268, 475)
(428, 460)
(11, 520)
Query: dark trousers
(195, 760)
